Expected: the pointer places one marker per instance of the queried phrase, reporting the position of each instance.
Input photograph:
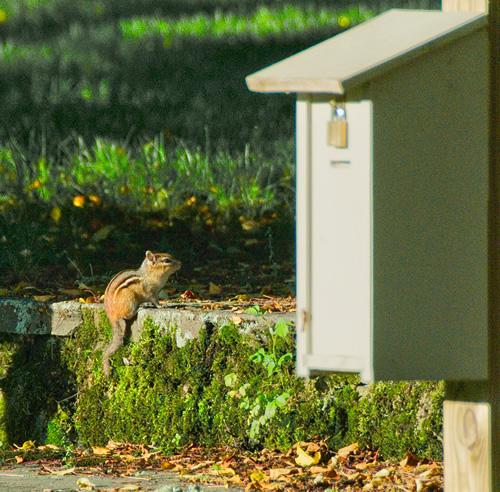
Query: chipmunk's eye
(167, 260)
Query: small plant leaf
(282, 328)
(282, 399)
(284, 358)
(270, 410)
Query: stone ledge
(30, 317)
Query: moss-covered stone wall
(226, 387)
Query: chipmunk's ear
(150, 256)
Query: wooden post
(494, 240)
(464, 5)
(472, 430)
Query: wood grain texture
(467, 455)
(464, 6)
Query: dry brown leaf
(276, 473)
(72, 292)
(315, 470)
(201, 465)
(44, 447)
(347, 450)
(352, 477)
(410, 460)
(19, 459)
(432, 472)
(188, 294)
(45, 298)
(100, 451)
(332, 474)
(237, 320)
(224, 471)
(235, 480)
(62, 473)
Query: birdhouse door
(338, 299)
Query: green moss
(60, 429)
(398, 418)
(220, 389)
(225, 387)
(33, 381)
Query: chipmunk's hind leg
(117, 341)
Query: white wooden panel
(341, 239)
(430, 185)
(303, 239)
(347, 60)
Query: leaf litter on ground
(306, 466)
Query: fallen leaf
(276, 473)
(225, 471)
(94, 199)
(79, 201)
(347, 450)
(61, 473)
(166, 465)
(235, 480)
(100, 451)
(71, 292)
(352, 477)
(188, 294)
(85, 484)
(332, 474)
(237, 320)
(432, 472)
(19, 459)
(382, 473)
(410, 460)
(56, 214)
(257, 476)
(305, 459)
(103, 233)
(374, 484)
(44, 447)
(214, 289)
(28, 445)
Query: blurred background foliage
(127, 124)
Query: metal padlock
(337, 128)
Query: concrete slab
(30, 317)
(24, 317)
(27, 478)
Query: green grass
(113, 109)
(263, 22)
(119, 68)
(153, 176)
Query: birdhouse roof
(355, 56)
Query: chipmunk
(128, 290)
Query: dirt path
(27, 478)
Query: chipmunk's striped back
(127, 290)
